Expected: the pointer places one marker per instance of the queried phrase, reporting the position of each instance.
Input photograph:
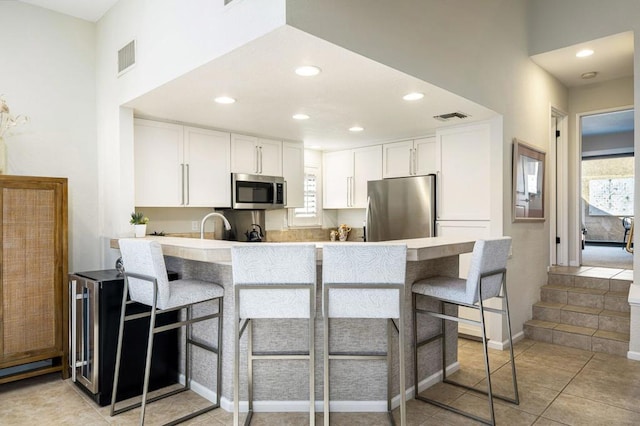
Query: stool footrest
(279, 355)
(453, 409)
(358, 355)
(149, 400)
(471, 388)
(203, 345)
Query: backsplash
(310, 234)
(290, 235)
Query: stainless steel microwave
(258, 192)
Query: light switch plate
(195, 225)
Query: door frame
(578, 159)
(559, 187)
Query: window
(311, 213)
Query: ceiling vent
(451, 116)
(126, 57)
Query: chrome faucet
(227, 225)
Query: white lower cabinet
(179, 166)
(346, 174)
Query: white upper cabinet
(409, 158)
(424, 154)
(180, 166)
(464, 173)
(158, 164)
(346, 174)
(256, 156)
(208, 171)
(293, 172)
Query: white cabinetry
(409, 158)
(464, 173)
(180, 166)
(256, 156)
(346, 174)
(293, 172)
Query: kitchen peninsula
(210, 260)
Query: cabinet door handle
(438, 194)
(255, 168)
(260, 151)
(411, 161)
(348, 191)
(415, 161)
(188, 185)
(182, 183)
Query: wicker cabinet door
(33, 303)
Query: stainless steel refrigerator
(401, 208)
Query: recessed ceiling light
(300, 117)
(584, 53)
(356, 129)
(224, 100)
(414, 96)
(308, 71)
(588, 75)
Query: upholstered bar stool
(272, 281)
(146, 282)
(365, 281)
(486, 279)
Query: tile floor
(558, 385)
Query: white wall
(557, 24)
(47, 72)
(172, 38)
(476, 49)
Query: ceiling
(612, 59)
(89, 10)
(351, 90)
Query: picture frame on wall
(528, 182)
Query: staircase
(584, 308)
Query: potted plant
(139, 222)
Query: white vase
(141, 230)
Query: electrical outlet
(195, 225)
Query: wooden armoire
(34, 301)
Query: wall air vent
(126, 57)
(451, 116)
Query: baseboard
(633, 355)
(501, 346)
(336, 406)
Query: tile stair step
(613, 280)
(606, 320)
(586, 297)
(586, 338)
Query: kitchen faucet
(227, 225)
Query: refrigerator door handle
(366, 218)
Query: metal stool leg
(147, 366)
(123, 310)
(401, 364)
(325, 328)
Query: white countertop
(218, 251)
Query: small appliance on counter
(94, 321)
(246, 225)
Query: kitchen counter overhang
(218, 251)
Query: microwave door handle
(284, 194)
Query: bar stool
(146, 282)
(272, 281)
(365, 281)
(486, 279)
